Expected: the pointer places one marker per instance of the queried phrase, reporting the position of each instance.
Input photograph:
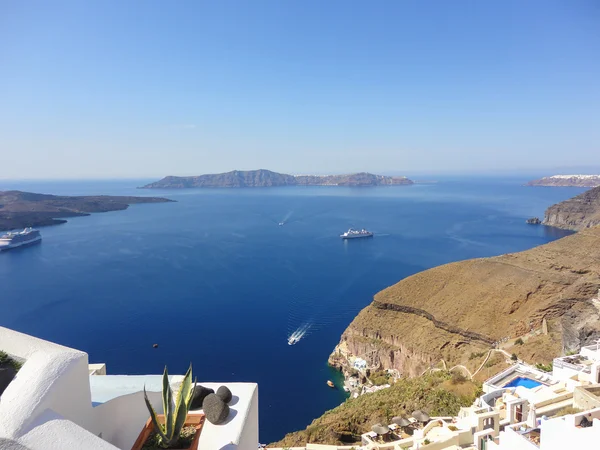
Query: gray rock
(225, 394)
(215, 409)
(200, 394)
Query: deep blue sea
(214, 280)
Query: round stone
(200, 394)
(215, 409)
(224, 393)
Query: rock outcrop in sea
(533, 221)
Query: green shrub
(544, 367)
(7, 360)
(380, 378)
(519, 342)
(457, 378)
(514, 357)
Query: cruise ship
(19, 239)
(353, 234)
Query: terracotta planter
(196, 420)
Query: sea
(215, 281)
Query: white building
(59, 402)
(583, 367)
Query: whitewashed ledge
(115, 393)
(54, 404)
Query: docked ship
(19, 239)
(353, 234)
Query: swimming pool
(523, 381)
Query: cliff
(457, 311)
(267, 178)
(577, 213)
(568, 180)
(435, 393)
(25, 209)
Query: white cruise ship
(19, 239)
(354, 234)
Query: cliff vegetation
(438, 394)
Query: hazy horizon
(146, 89)
(527, 174)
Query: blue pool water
(523, 381)
(213, 279)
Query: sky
(108, 89)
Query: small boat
(293, 339)
(281, 224)
(330, 384)
(354, 234)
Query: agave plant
(175, 412)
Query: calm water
(214, 280)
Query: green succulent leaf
(153, 416)
(167, 395)
(182, 402)
(191, 396)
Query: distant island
(25, 209)
(267, 178)
(568, 180)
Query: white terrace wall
(53, 378)
(562, 433)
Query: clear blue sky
(151, 88)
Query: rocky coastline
(577, 213)
(434, 318)
(26, 209)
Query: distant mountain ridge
(568, 180)
(267, 178)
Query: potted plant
(175, 429)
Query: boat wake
(298, 334)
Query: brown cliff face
(576, 213)
(454, 311)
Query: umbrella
(531, 417)
(421, 416)
(380, 429)
(401, 421)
